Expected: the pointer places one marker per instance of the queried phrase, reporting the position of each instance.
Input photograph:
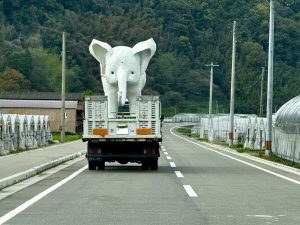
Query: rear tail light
(95, 150)
(149, 151)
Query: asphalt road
(210, 186)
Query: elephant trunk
(122, 92)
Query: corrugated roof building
(45, 103)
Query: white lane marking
(166, 153)
(241, 161)
(169, 157)
(36, 198)
(263, 161)
(189, 190)
(172, 164)
(30, 181)
(260, 216)
(163, 149)
(15, 178)
(179, 174)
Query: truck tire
(145, 165)
(154, 164)
(92, 165)
(101, 165)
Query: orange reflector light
(100, 131)
(143, 131)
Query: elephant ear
(98, 49)
(145, 50)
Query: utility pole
(63, 91)
(268, 150)
(231, 127)
(261, 91)
(211, 65)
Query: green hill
(188, 33)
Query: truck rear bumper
(143, 138)
(117, 157)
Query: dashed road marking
(260, 216)
(172, 164)
(166, 153)
(179, 174)
(169, 157)
(239, 160)
(189, 190)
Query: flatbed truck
(124, 138)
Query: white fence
(23, 132)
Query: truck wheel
(101, 165)
(154, 164)
(145, 165)
(92, 165)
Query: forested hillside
(188, 33)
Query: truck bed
(145, 124)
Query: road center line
(179, 174)
(172, 164)
(166, 153)
(169, 157)
(36, 198)
(189, 190)
(239, 160)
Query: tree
(21, 61)
(46, 70)
(188, 33)
(13, 80)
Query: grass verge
(68, 136)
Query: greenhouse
(218, 129)
(187, 117)
(286, 138)
(250, 130)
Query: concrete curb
(11, 180)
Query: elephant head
(123, 69)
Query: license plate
(122, 131)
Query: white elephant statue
(123, 71)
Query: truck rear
(125, 137)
